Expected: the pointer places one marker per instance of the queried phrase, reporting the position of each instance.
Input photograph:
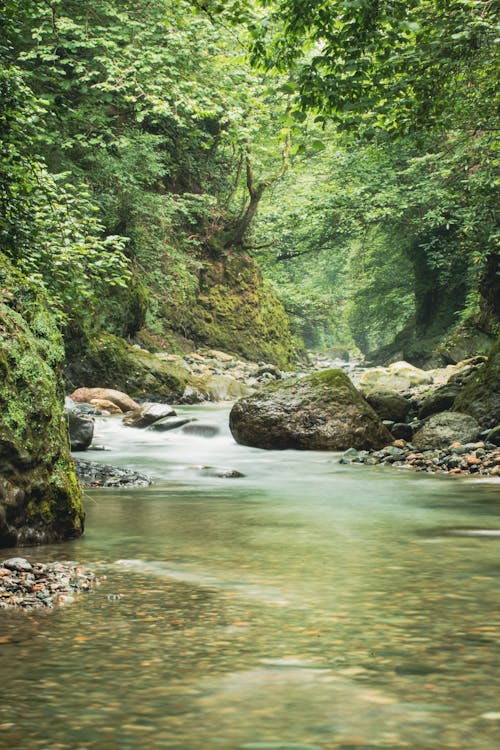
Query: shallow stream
(306, 606)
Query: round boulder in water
(323, 411)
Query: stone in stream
(81, 429)
(221, 473)
(170, 423)
(201, 429)
(148, 414)
(323, 411)
(93, 474)
(110, 394)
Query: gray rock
(440, 430)
(213, 471)
(389, 405)
(440, 400)
(81, 429)
(323, 411)
(493, 435)
(170, 423)
(92, 474)
(402, 431)
(202, 429)
(19, 564)
(148, 414)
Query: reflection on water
(307, 605)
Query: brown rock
(106, 405)
(86, 395)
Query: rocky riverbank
(28, 586)
(469, 459)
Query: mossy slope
(39, 494)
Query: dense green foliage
(138, 144)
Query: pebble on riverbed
(480, 459)
(29, 586)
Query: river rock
(225, 388)
(389, 405)
(220, 473)
(323, 411)
(19, 564)
(81, 429)
(440, 400)
(93, 474)
(480, 396)
(170, 423)
(110, 394)
(104, 405)
(441, 430)
(147, 414)
(399, 376)
(202, 429)
(493, 435)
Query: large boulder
(40, 498)
(480, 396)
(440, 430)
(323, 411)
(389, 405)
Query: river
(308, 605)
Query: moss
(480, 397)
(228, 306)
(40, 499)
(110, 362)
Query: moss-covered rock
(110, 362)
(39, 492)
(323, 411)
(480, 396)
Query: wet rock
(19, 564)
(323, 411)
(110, 394)
(440, 430)
(399, 376)
(147, 414)
(402, 431)
(213, 471)
(93, 474)
(106, 406)
(389, 405)
(170, 423)
(493, 435)
(440, 400)
(202, 429)
(81, 429)
(480, 396)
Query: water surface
(306, 605)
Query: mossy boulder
(40, 497)
(480, 396)
(323, 411)
(110, 362)
(440, 430)
(389, 405)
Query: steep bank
(39, 493)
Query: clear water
(306, 605)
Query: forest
(245, 247)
